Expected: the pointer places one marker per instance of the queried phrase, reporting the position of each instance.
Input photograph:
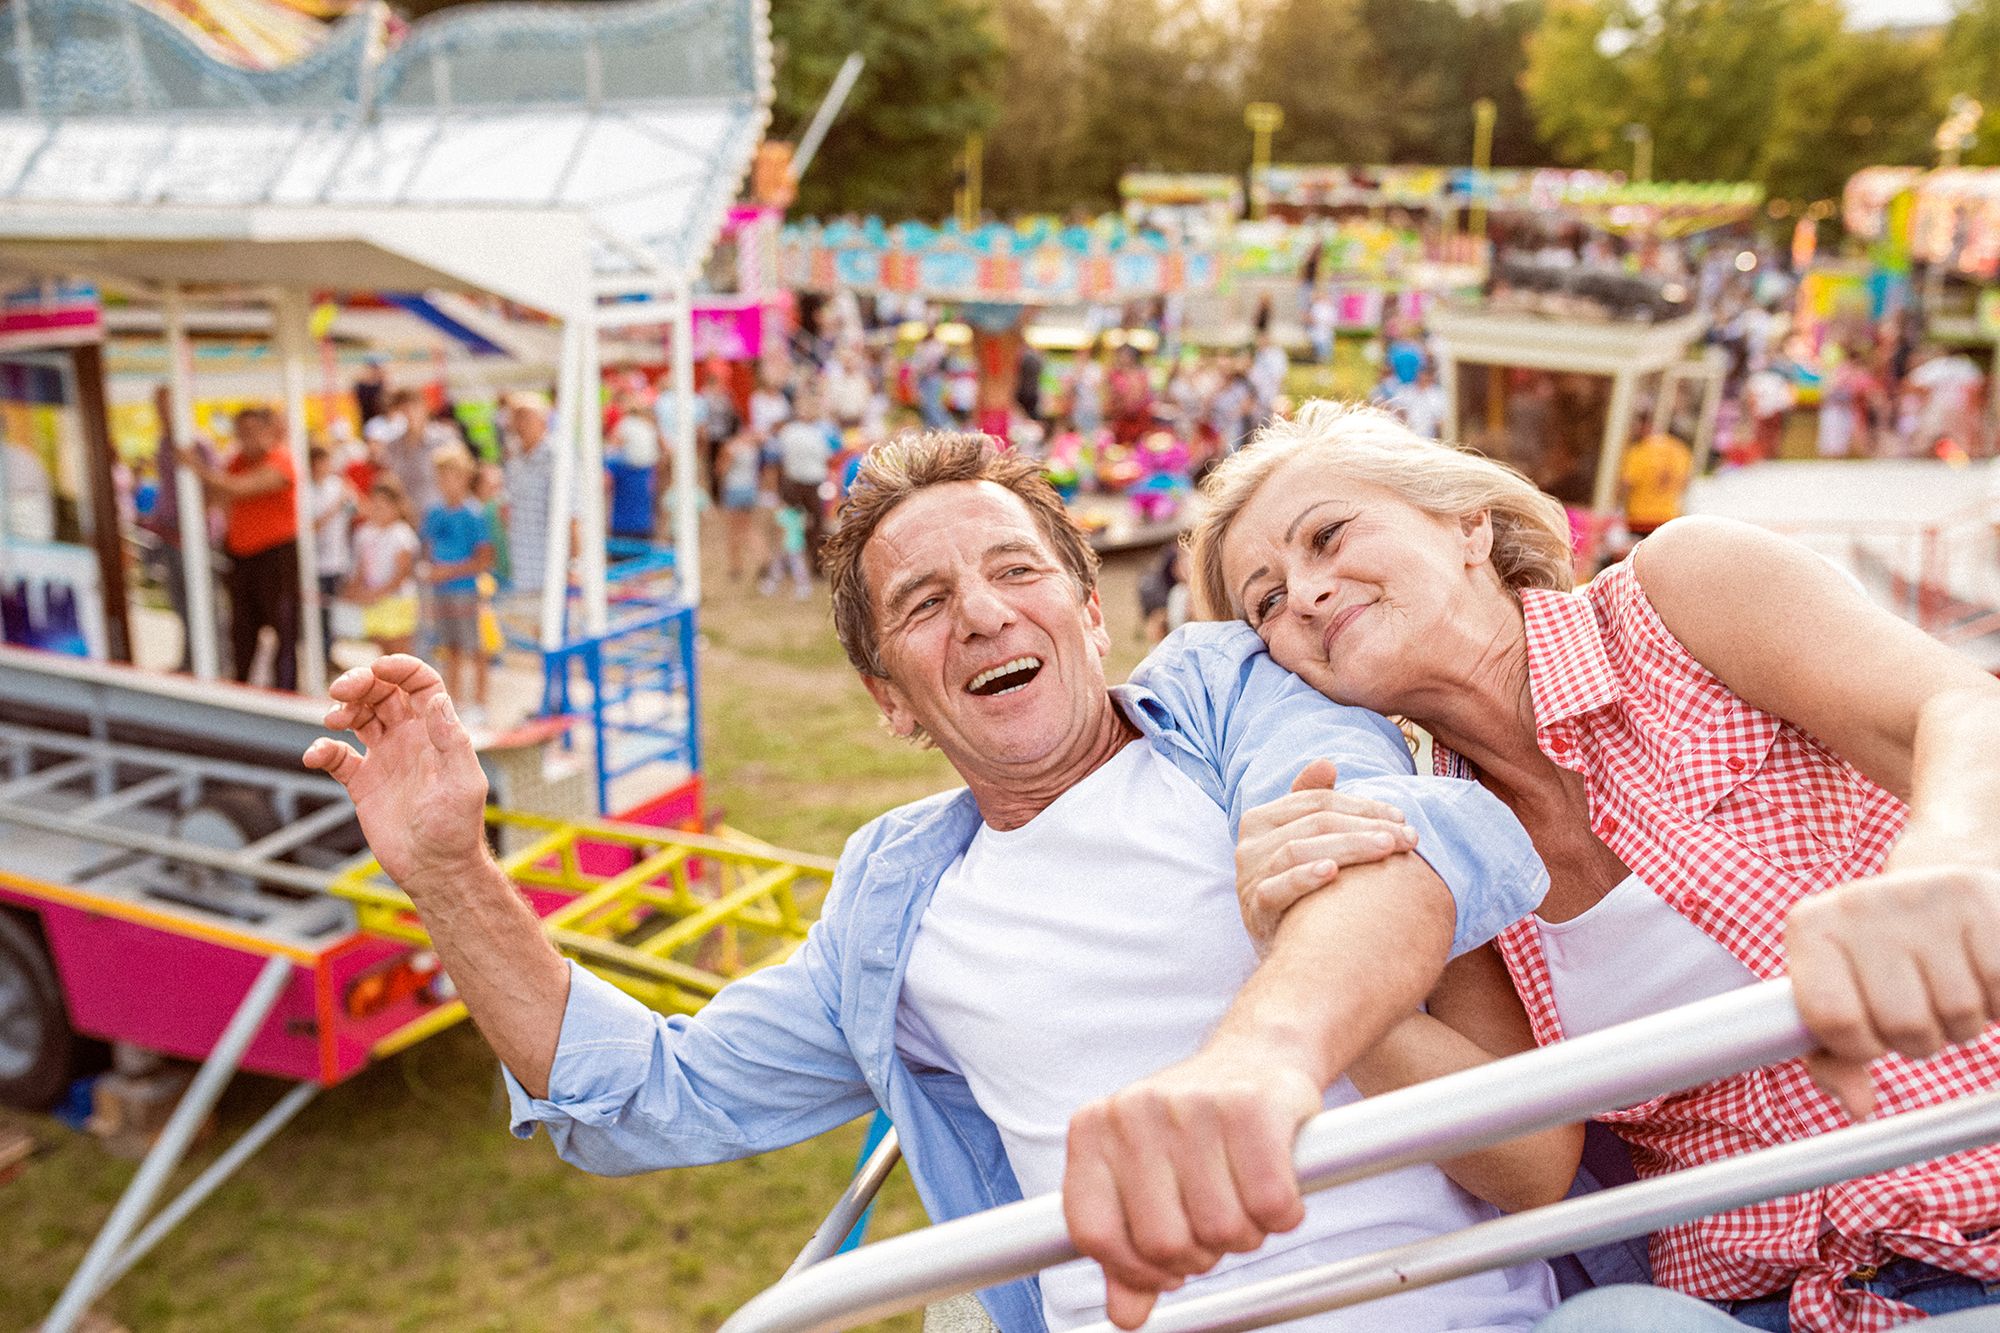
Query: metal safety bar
(1594, 1219)
(852, 1204)
(1445, 1117)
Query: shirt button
(1559, 744)
(1735, 763)
(1609, 826)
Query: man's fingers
(1982, 944)
(1260, 1164)
(1319, 773)
(1899, 1004)
(1825, 988)
(1277, 814)
(1094, 1209)
(1322, 822)
(1353, 847)
(1208, 1185)
(1128, 1307)
(1846, 1081)
(410, 674)
(334, 758)
(357, 718)
(1957, 996)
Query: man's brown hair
(893, 472)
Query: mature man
(258, 487)
(529, 471)
(995, 959)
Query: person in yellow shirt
(1655, 476)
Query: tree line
(1067, 96)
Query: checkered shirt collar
(1568, 672)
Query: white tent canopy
(553, 157)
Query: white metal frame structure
(1459, 1113)
(577, 160)
(1624, 351)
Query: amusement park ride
(171, 880)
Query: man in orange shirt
(258, 487)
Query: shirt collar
(1568, 672)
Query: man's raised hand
(419, 790)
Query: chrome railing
(1473, 1109)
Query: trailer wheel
(228, 819)
(39, 1054)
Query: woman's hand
(1905, 961)
(1297, 844)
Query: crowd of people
(417, 541)
(428, 534)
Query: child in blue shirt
(458, 548)
(791, 558)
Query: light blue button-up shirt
(795, 1050)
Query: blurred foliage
(933, 67)
(1070, 94)
(1971, 65)
(1776, 91)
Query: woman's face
(1349, 586)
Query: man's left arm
(1171, 1173)
(1245, 728)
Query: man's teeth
(991, 674)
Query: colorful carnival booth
(1946, 220)
(995, 279)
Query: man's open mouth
(1005, 678)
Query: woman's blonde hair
(1530, 532)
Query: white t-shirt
(375, 551)
(1629, 956)
(1947, 376)
(1099, 943)
(803, 448)
(1422, 409)
(332, 510)
(768, 408)
(636, 440)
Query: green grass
(398, 1201)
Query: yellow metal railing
(668, 916)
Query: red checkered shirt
(1732, 815)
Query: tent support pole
(1617, 428)
(87, 375)
(687, 478)
(196, 576)
(590, 477)
(562, 481)
(294, 331)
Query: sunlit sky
(1869, 13)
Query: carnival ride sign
(1035, 264)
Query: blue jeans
(1957, 1304)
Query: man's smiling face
(989, 644)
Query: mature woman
(1705, 743)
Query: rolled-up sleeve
(762, 1066)
(1244, 726)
